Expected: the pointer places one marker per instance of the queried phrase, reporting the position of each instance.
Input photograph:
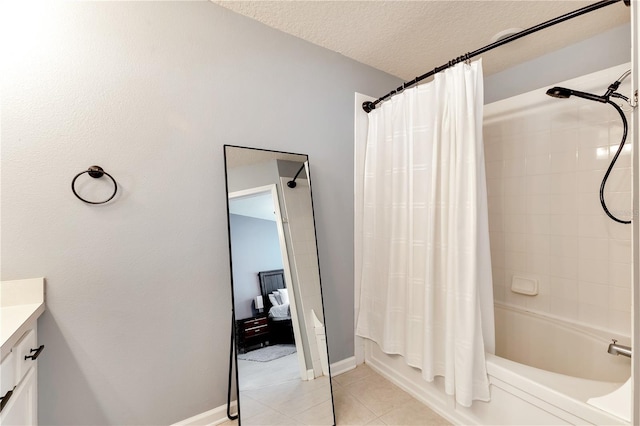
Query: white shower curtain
(426, 290)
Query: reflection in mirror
(282, 359)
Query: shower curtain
(426, 290)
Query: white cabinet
(21, 303)
(18, 382)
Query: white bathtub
(573, 362)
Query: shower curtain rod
(368, 106)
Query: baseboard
(426, 392)
(209, 418)
(343, 366)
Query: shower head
(563, 93)
(559, 92)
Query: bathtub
(544, 372)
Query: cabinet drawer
(23, 349)
(254, 331)
(8, 373)
(255, 322)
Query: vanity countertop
(21, 303)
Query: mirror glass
(280, 339)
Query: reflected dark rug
(268, 353)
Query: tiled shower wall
(545, 159)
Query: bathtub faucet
(616, 349)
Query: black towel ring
(94, 172)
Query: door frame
(272, 189)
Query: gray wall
(603, 51)
(138, 294)
(255, 247)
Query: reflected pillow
(284, 295)
(273, 300)
(277, 296)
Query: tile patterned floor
(363, 397)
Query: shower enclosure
(545, 160)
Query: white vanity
(21, 303)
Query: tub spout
(616, 349)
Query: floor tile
(354, 375)
(377, 394)
(268, 417)
(321, 414)
(350, 411)
(414, 413)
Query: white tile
(538, 244)
(595, 226)
(538, 165)
(562, 288)
(514, 185)
(565, 308)
(620, 298)
(590, 180)
(563, 183)
(591, 114)
(539, 303)
(538, 224)
(514, 223)
(563, 204)
(596, 271)
(495, 204)
(538, 184)
(493, 169)
(514, 167)
(593, 294)
(496, 240)
(513, 148)
(537, 264)
(618, 231)
(497, 258)
(563, 246)
(515, 261)
(498, 292)
(593, 315)
(563, 161)
(619, 204)
(624, 159)
(538, 143)
(515, 204)
(537, 204)
(515, 242)
(566, 119)
(563, 267)
(494, 187)
(620, 251)
(620, 179)
(589, 203)
(620, 321)
(593, 134)
(493, 151)
(593, 158)
(496, 222)
(620, 274)
(593, 249)
(563, 225)
(563, 140)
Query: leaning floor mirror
(280, 340)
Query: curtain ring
(95, 172)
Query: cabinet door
(21, 409)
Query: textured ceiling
(409, 38)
